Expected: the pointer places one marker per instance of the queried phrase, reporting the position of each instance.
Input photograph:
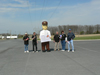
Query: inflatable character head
(44, 25)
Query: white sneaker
(33, 51)
(27, 51)
(36, 51)
(68, 50)
(72, 50)
(24, 51)
(62, 50)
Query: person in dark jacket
(34, 41)
(56, 41)
(70, 37)
(26, 42)
(63, 42)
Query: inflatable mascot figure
(45, 36)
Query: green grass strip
(87, 38)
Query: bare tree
(77, 29)
(60, 29)
(90, 29)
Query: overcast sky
(20, 16)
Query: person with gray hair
(56, 40)
(26, 42)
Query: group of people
(34, 42)
(63, 38)
(45, 37)
(57, 39)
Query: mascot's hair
(44, 23)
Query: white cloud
(21, 3)
(6, 10)
(81, 14)
(8, 6)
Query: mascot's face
(44, 27)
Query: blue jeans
(26, 47)
(71, 41)
(63, 43)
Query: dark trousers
(45, 44)
(34, 45)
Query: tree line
(77, 29)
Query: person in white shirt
(45, 36)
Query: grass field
(87, 38)
(81, 37)
(87, 35)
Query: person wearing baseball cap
(26, 42)
(70, 37)
(45, 36)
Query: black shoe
(49, 51)
(43, 51)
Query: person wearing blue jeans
(63, 43)
(70, 42)
(26, 47)
(26, 42)
(70, 37)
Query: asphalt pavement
(84, 61)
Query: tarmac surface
(84, 61)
